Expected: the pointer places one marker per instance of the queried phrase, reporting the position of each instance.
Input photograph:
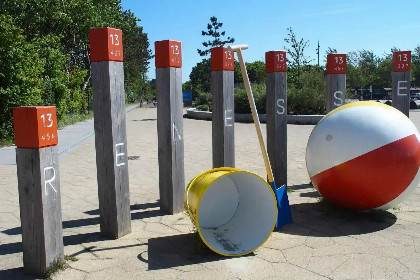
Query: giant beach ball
(364, 155)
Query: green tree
(297, 60)
(200, 76)
(48, 57)
(20, 73)
(256, 72)
(415, 66)
(215, 34)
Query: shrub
(203, 101)
(310, 99)
(242, 103)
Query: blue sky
(344, 25)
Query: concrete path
(324, 242)
(70, 137)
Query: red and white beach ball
(364, 155)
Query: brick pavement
(324, 242)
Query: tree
(256, 72)
(200, 76)
(296, 59)
(215, 34)
(44, 53)
(415, 66)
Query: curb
(192, 113)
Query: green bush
(242, 103)
(310, 99)
(203, 101)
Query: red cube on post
(35, 126)
(168, 54)
(106, 44)
(401, 61)
(222, 59)
(275, 61)
(336, 64)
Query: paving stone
(352, 269)
(70, 273)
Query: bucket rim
(232, 170)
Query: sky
(347, 26)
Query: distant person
(154, 101)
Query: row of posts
(36, 137)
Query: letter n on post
(168, 59)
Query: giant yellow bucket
(234, 211)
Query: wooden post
(39, 187)
(401, 83)
(336, 81)
(276, 104)
(106, 54)
(168, 59)
(223, 117)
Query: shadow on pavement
(15, 273)
(324, 219)
(16, 247)
(132, 207)
(95, 220)
(178, 250)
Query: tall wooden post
(276, 104)
(223, 117)
(106, 55)
(39, 187)
(336, 81)
(168, 59)
(401, 83)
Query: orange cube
(275, 61)
(401, 61)
(106, 44)
(222, 59)
(35, 126)
(336, 63)
(168, 54)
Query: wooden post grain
(276, 104)
(401, 67)
(110, 131)
(336, 81)
(223, 117)
(39, 187)
(168, 59)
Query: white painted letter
(399, 87)
(228, 118)
(339, 99)
(281, 106)
(175, 133)
(118, 155)
(49, 181)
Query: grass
(73, 118)
(59, 265)
(4, 143)
(55, 267)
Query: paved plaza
(323, 242)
